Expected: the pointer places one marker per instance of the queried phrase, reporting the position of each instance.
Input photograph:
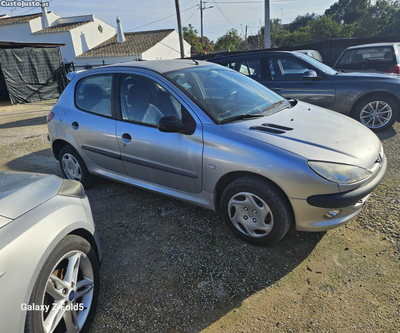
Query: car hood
(314, 133)
(21, 192)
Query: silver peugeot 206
(211, 136)
(49, 255)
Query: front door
(285, 76)
(91, 122)
(172, 160)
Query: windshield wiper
(277, 104)
(242, 117)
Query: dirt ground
(173, 267)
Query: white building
(89, 40)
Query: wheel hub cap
(250, 214)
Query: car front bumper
(324, 212)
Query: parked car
(210, 136)
(311, 53)
(49, 255)
(371, 98)
(382, 57)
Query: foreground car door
(91, 121)
(285, 76)
(172, 160)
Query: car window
(93, 94)
(250, 67)
(286, 69)
(224, 93)
(145, 101)
(357, 57)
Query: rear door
(172, 160)
(285, 76)
(92, 123)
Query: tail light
(395, 69)
(50, 116)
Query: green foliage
(190, 36)
(231, 41)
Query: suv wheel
(377, 113)
(256, 211)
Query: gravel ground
(173, 267)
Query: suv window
(368, 58)
(286, 69)
(250, 67)
(93, 94)
(145, 101)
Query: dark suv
(383, 57)
(371, 98)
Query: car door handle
(126, 138)
(277, 88)
(75, 125)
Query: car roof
(162, 66)
(253, 54)
(372, 45)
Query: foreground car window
(144, 101)
(224, 94)
(93, 94)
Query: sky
(136, 15)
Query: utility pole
(178, 16)
(267, 29)
(201, 20)
(245, 35)
(202, 8)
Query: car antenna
(195, 61)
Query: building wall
(87, 36)
(77, 40)
(168, 48)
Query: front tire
(377, 113)
(256, 211)
(69, 284)
(73, 166)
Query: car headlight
(339, 173)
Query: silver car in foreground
(211, 136)
(49, 255)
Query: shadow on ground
(25, 122)
(169, 266)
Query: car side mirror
(171, 124)
(310, 75)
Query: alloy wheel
(71, 167)
(376, 114)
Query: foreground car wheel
(69, 284)
(377, 113)
(256, 211)
(73, 166)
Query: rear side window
(250, 67)
(93, 94)
(367, 55)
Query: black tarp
(33, 74)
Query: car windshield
(226, 95)
(319, 65)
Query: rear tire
(377, 113)
(256, 211)
(73, 166)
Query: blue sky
(135, 13)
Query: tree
(190, 35)
(301, 21)
(348, 11)
(231, 41)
